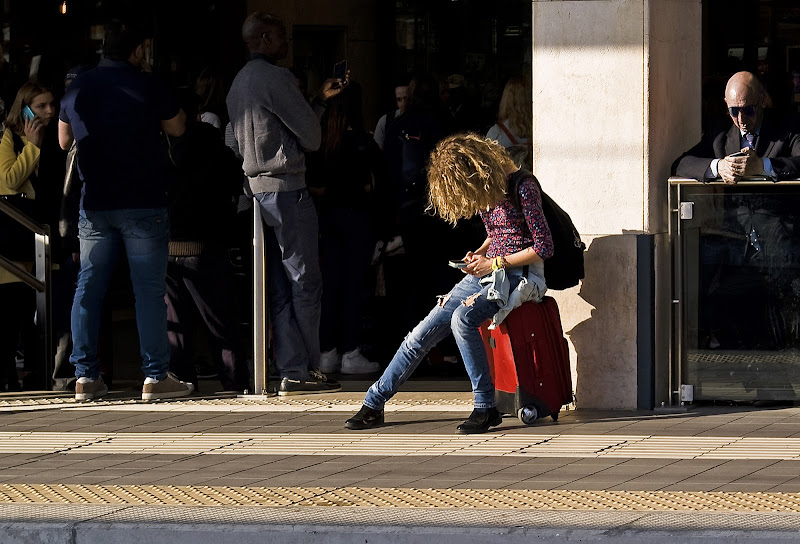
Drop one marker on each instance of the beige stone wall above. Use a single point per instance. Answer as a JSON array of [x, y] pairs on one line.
[[615, 99], [674, 44], [599, 317], [358, 16]]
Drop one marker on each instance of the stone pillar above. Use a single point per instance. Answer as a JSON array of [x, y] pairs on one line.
[[616, 97]]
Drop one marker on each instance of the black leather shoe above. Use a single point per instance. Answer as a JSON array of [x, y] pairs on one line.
[[317, 382], [366, 418], [480, 420]]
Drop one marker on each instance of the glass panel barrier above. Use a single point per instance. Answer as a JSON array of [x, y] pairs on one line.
[[737, 289]]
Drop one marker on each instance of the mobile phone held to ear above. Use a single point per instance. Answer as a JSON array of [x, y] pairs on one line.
[[340, 70], [457, 264], [27, 113]]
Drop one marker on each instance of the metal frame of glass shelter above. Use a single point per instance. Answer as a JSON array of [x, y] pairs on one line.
[[682, 211]]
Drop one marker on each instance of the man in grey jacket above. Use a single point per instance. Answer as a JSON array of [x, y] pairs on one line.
[[273, 125]]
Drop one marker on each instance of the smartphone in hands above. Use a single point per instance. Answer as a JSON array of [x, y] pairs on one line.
[[27, 113], [738, 154], [457, 264], [340, 70]]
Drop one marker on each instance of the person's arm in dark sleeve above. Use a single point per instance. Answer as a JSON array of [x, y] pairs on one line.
[[788, 166], [697, 163], [382, 199]]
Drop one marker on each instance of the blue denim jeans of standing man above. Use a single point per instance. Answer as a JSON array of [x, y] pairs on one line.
[[144, 233], [294, 281], [460, 312]]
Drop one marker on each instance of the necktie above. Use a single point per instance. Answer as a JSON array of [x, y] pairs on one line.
[[750, 140]]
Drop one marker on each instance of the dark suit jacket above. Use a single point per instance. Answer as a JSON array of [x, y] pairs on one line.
[[778, 140]]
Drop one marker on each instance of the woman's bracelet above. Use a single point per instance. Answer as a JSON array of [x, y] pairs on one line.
[[498, 263]]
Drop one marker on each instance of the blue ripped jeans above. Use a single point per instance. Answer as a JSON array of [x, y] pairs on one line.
[[458, 312]]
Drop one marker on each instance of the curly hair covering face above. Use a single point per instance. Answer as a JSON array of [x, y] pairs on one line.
[[466, 174]]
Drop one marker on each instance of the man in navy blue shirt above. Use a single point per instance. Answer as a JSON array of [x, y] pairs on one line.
[[116, 112]]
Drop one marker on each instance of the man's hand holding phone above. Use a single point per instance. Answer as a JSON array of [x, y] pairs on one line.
[[340, 71], [743, 163], [333, 86]]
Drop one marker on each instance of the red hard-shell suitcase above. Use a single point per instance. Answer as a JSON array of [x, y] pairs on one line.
[[529, 361]]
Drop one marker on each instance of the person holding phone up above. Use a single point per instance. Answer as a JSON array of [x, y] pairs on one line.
[[32, 110], [20, 151], [469, 175], [274, 126]]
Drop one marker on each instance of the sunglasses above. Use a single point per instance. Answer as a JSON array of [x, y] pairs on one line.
[[747, 111]]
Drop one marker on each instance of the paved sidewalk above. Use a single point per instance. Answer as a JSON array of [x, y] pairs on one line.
[[285, 470]]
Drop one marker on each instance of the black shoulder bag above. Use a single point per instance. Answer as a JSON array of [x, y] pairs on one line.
[[565, 268]]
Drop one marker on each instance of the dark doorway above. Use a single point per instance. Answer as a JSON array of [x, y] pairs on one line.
[[760, 36]]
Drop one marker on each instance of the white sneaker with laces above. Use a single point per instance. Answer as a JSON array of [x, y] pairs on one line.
[[355, 363], [169, 388], [330, 361]]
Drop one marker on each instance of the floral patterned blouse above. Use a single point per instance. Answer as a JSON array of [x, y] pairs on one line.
[[512, 231]]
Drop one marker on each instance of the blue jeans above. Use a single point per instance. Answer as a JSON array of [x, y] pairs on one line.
[[459, 312], [144, 233], [294, 282]]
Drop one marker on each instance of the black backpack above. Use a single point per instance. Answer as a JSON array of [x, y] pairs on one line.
[[565, 268]]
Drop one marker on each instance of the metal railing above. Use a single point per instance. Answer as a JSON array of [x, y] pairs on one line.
[[39, 281], [260, 315]]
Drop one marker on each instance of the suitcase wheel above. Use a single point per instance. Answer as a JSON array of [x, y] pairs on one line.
[[554, 416], [527, 414]]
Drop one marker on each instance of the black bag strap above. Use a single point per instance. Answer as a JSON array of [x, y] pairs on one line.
[[508, 133], [19, 145], [514, 182]]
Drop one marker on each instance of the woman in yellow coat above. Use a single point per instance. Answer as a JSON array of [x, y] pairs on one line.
[[20, 149]]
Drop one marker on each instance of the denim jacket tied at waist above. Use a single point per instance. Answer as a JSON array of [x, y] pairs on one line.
[[530, 287]]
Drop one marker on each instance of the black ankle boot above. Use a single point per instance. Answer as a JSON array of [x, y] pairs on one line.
[[480, 420], [366, 418]]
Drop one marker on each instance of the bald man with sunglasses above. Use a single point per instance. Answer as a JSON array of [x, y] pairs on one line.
[[760, 142]]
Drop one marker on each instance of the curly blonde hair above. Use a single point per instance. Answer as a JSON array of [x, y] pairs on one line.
[[466, 174]]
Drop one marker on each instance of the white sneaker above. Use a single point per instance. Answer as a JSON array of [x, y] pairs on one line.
[[330, 361], [168, 388], [355, 363]]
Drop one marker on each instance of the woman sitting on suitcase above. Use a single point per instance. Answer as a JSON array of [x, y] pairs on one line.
[[468, 174]]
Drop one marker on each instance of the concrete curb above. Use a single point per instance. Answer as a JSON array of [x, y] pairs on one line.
[[72, 524]]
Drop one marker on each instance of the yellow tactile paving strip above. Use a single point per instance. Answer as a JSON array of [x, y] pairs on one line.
[[172, 495], [391, 444], [253, 404]]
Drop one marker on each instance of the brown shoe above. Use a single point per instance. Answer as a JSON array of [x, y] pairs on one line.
[[90, 390], [168, 388]]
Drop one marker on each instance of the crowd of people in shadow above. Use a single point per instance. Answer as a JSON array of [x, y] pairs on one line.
[[359, 224], [344, 210]]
